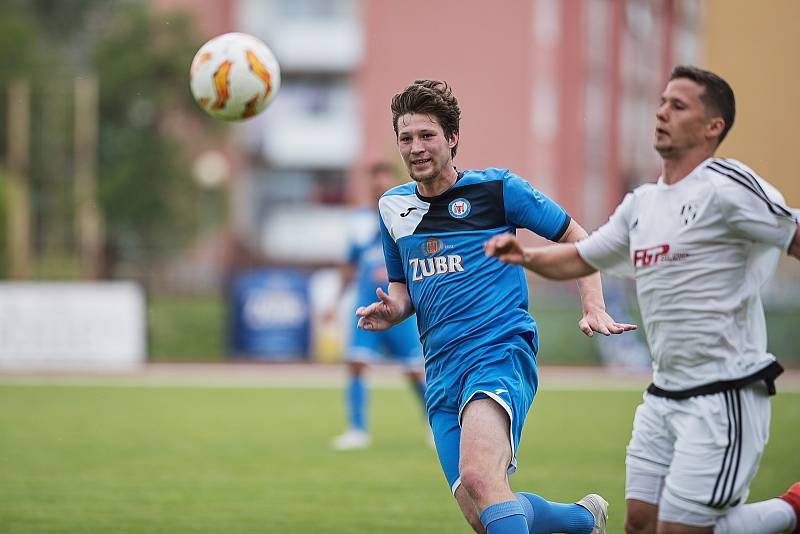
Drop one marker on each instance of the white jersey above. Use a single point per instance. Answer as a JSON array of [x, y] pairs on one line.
[[699, 250]]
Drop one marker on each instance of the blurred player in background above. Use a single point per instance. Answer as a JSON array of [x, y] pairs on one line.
[[480, 341], [401, 343], [700, 243]]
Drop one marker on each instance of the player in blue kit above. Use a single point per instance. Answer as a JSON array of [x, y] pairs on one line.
[[479, 340], [367, 269]]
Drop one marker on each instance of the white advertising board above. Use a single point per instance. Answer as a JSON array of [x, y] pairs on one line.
[[72, 326]]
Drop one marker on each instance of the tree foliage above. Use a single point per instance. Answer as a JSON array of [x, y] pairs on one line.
[[142, 64], [141, 61]]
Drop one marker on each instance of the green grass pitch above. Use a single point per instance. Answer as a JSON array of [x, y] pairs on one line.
[[238, 460]]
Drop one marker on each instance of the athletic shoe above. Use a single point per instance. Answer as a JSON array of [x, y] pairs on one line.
[[598, 507], [792, 496], [351, 440]]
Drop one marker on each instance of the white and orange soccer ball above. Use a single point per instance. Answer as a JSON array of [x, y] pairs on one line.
[[234, 76]]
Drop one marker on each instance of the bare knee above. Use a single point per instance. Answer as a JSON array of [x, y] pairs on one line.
[[641, 518], [474, 483]]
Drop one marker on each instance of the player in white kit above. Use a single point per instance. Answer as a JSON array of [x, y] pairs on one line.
[[699, 243]]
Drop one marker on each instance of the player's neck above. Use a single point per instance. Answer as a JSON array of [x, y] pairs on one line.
[[438, 184], [676, 168]]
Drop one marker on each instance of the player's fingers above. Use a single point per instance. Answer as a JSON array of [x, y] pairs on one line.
[[603, 329], [615, 328], [627, 327], [382, 295], [492, 247], [584, 327], [363, 311], [505, 243], [500, 242]]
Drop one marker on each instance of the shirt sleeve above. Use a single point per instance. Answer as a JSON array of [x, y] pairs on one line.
[[607, 249], [756, 210], [391, 253], [525, 207]]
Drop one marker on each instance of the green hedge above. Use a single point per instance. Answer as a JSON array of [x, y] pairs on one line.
[[194, 329], [186, 328]]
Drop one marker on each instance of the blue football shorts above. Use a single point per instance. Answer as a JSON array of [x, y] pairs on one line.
[[399, 343], [505, 372]]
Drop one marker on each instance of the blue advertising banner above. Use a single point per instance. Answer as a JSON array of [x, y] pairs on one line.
[[269, 314]]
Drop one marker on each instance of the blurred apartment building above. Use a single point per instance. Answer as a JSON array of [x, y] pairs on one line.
[[563, 92]]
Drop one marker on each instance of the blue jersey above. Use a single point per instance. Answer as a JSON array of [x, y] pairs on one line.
[[464, 301], [366, 254]]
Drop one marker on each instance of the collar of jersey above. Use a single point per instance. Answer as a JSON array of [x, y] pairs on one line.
[[695, 172], [423, 198]]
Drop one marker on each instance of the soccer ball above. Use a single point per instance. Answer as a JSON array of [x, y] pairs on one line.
[[234, 76]]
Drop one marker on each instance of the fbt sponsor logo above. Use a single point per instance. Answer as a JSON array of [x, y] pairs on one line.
[[426, 267], [645, 257]]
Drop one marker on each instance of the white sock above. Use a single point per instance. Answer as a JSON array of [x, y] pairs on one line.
[[765, 517]]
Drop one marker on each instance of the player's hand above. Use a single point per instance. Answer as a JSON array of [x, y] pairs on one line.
[[380, 315], [597, 320], [505, 248]]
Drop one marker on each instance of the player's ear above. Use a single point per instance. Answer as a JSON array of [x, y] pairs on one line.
[[714, 127], [453, 141]]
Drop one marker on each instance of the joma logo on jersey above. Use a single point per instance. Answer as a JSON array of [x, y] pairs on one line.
[[645, 257], [426, 267]]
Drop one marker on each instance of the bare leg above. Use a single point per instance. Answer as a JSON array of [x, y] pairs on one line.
[[484, 458], [472, 514]]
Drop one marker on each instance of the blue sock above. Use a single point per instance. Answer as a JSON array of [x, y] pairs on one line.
[[545, 516], [356, 403], [505, 518]]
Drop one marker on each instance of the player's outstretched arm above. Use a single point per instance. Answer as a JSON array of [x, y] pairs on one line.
[[392, 308], [595, 318], [556, 262], [562, 262]]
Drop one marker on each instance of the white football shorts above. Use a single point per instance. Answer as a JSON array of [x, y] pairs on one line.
[[695, 458]]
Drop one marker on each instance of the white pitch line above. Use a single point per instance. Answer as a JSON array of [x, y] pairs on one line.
[[324, 376]]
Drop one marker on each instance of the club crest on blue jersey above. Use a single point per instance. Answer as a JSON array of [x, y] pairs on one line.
[[431, 246], [459, 208]]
